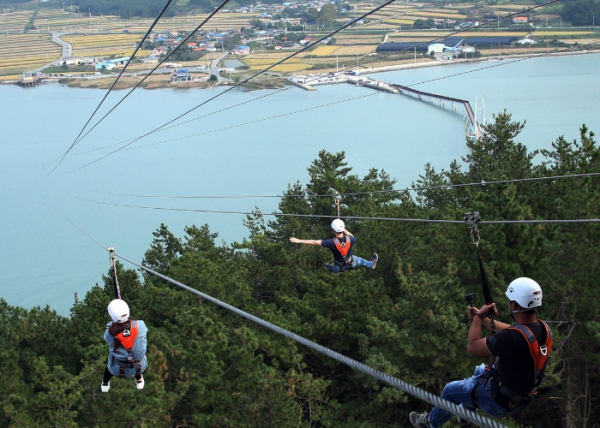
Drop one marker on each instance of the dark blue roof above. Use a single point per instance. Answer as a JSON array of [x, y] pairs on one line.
[[450, 41]]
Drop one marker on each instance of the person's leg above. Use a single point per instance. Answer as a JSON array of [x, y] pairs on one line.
[[360, 262], [457, 392], [107, 376]]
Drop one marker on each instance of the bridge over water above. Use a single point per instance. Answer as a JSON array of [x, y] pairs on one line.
[[473, 130]]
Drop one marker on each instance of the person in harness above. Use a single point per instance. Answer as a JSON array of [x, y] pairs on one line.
[[127, 346], [341, 247], [520, 352]]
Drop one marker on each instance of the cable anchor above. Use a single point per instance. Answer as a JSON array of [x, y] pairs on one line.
[[472, 219], [337, 202]]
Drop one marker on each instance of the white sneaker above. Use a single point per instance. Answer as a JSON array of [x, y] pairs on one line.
[[106, 387], [139, 384]]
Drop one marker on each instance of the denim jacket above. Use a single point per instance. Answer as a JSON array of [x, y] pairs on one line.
[[119, 355]]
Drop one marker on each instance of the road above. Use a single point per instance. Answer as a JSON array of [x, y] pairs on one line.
[[214, 70], [67, 51]]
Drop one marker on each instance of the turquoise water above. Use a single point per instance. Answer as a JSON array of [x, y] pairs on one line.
[[45, 260]]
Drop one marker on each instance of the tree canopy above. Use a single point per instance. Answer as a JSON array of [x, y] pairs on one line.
[[209, 367]]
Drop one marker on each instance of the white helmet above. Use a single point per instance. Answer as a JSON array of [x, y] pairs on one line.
[[338, 225], [526, 292], [118, 311]]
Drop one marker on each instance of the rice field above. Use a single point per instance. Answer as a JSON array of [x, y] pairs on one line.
[[9, 77], [20, 52], [285, 68], [324, 50], [355, 50], [269, 61]]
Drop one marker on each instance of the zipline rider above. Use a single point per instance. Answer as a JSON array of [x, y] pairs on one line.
[[511, 380], [341, 247], [127, 345]]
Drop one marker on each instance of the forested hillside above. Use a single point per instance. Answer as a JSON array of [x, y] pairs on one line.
[[211, 368]]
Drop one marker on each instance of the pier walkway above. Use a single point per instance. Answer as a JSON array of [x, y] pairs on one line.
[[474, 128], [307, 82]]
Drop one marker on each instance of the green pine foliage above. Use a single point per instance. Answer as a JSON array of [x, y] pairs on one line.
[[211, 368]]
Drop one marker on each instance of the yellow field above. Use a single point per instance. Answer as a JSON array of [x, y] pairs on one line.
[[512, 7], [562, 33], [426, 14], [355, 50], [428, 34], [289, 68], [271, 55], [267, 61], [324, 50], [118, 53], [10, 77], [400, 21]]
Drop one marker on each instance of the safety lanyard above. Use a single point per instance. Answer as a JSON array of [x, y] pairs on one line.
[[113, 265], [472, 219]]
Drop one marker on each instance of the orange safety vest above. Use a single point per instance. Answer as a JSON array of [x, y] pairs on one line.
[[343, 248], [540, 358], [127, 339]]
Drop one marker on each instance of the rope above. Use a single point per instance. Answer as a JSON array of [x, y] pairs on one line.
[[294, 54], [413, 189], [580, 220], [192, 33], [392, 381], [377, 58], [308, 46], [570, 49], [138, 47], [346, 217]]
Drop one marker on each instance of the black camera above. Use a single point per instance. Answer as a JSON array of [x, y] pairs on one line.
[[470, 299]]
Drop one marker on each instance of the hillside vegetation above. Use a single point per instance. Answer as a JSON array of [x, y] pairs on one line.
[[211, 368]]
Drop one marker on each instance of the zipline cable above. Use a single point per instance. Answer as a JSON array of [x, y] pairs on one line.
[[132, 140], [302, 50], [146, 76], [392, 381], [408, 189], [113, 265], [345, 217], [569, 49], [412, 390], [138, 47], [247, 79]]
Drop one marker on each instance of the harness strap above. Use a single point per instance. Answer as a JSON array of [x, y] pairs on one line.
[[343, 248]]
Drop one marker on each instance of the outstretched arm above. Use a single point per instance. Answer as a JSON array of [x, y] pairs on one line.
[[305, 241]]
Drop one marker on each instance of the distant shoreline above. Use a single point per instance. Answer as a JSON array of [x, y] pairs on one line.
[[273, 83], [465, 61]]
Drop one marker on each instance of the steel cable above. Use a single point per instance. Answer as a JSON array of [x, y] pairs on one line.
[[148, 74], [345, 217], [434, 400], [407, 189], [302, 50], [570, 49], [138, 47]]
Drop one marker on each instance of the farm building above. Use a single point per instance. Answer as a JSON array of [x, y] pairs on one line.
[[181, 75], [450, 41], [520, 20], [241, 50]]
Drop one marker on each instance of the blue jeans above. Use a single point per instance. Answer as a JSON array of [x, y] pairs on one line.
[[459, 392], [356, 262]]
